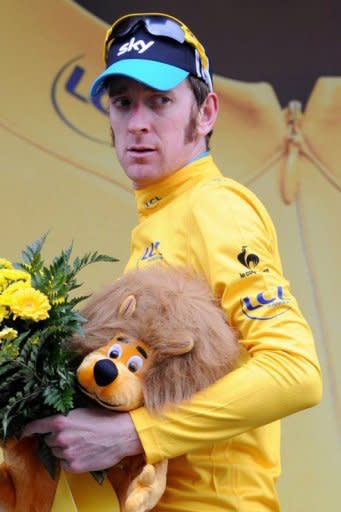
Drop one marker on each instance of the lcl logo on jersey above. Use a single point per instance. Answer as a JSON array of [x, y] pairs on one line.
[[152, 202], [265, 305], [151, 253]]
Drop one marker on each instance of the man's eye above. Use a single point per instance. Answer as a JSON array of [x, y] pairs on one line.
[[120, 102], [163, 100], [158, 101]]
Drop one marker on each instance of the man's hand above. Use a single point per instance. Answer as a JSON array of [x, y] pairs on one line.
[[88, 439]]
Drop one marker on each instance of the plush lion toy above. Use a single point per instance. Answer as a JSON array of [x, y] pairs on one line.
[[168, 339], [152, 337]]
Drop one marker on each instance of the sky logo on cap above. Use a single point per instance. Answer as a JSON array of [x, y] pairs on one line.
[[138, 46]]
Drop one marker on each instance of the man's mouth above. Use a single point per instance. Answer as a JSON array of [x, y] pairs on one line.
[[140, 150]]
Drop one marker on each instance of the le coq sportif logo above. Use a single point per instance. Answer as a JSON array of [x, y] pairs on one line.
[[249, 260]]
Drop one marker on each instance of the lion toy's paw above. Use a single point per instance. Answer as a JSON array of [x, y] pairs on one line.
[[147, 488]]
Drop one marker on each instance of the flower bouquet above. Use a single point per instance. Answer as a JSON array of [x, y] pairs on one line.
[[37, 318]]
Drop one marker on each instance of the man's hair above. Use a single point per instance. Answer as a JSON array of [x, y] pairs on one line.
[[200, 91]]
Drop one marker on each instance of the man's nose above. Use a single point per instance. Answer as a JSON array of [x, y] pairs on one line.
[[139, 118]]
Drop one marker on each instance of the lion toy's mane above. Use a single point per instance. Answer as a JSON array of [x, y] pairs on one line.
[[173, 309]]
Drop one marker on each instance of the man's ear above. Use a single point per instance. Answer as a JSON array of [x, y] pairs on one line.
[[208, 114], [127, 307]]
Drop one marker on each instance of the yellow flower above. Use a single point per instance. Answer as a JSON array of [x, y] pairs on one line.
[[3, 282], [58, 300], [5, 263], [3, 312], [10, 352], [10, 275], [7, 333], [13, 274], [30, 304], [6, 295]]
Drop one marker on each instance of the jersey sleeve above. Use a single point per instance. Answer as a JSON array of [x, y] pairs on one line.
[[233, 243]]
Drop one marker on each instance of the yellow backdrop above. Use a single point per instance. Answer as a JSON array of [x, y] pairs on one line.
[[59, 174]]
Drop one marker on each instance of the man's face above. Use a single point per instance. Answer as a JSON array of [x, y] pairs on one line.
[[154, 131]]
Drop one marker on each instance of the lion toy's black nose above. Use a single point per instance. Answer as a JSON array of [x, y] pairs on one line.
[[105, 372]]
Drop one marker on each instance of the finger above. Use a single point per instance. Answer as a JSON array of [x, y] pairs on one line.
[[59, 453], [50, 440], [71, 466], [43, 426]]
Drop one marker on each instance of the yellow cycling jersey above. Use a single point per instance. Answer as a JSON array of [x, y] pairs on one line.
[[224, 446]]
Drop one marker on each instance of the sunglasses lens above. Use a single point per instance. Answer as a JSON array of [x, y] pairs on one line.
[[156, 25], [160, 26], [124, 27]]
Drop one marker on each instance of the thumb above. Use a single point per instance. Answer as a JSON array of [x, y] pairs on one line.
[[43, 426]]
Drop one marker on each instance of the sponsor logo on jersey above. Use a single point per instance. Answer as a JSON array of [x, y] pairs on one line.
[[150, 254], [152, 202], [265, 305], [249, 260]]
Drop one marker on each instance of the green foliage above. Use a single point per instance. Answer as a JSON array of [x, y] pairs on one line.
[[37, 371], [47, 458]]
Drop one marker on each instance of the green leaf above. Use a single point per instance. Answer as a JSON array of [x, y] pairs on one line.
[[32, 254], [99, 476], [61, 400], [47, 458]]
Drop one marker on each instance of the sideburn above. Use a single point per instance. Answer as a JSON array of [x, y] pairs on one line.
[[191, 127]]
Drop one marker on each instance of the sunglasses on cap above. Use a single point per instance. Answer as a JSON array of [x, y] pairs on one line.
[[164, 25]]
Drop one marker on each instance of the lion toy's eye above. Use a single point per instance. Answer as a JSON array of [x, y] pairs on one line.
[[134, 364], [115, 351]]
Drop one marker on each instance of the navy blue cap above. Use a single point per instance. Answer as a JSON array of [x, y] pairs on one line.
[[158, 62]]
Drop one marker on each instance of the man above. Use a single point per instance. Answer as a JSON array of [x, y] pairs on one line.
[[223, 447]]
